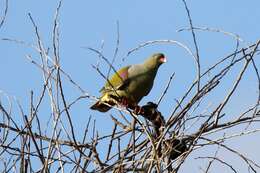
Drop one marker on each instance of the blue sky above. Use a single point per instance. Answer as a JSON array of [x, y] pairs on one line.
[[91, 23]]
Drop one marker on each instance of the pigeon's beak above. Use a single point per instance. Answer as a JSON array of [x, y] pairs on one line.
[[163, 59]]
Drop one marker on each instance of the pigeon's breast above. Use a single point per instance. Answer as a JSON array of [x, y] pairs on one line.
[[140, 86]]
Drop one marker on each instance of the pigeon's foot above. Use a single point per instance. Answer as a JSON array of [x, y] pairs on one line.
[[123, 101], [138, 110]]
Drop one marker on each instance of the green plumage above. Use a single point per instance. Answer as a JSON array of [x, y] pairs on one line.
[[130, 82]]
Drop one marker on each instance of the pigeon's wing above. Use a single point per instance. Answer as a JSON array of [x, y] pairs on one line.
[[118, 81]]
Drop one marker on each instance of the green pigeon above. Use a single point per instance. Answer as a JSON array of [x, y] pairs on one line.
[[130, 83]]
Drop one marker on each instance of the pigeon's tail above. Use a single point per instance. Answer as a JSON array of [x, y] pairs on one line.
[[100, 107]]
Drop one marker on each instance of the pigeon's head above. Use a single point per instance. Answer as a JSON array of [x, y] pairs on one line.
[[159, 58], [155, 60]]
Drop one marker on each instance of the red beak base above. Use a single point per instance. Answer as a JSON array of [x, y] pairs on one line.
[[163, 59]]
